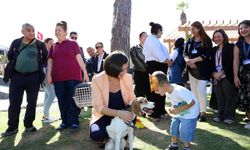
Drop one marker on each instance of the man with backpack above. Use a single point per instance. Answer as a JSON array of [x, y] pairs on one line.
[[28, 55]]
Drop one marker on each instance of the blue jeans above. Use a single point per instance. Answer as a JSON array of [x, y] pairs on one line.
[[183, 129], [49, 97], [69, 111]]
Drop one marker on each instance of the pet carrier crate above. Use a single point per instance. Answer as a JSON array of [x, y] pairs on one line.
[[82, 95]]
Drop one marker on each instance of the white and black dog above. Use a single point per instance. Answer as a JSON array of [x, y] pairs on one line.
[[118, 129]]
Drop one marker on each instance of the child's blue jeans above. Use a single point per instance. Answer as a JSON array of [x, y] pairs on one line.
[[184, 129]]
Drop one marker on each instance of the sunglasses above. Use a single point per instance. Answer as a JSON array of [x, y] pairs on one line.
[[98, 47], [74, 38]]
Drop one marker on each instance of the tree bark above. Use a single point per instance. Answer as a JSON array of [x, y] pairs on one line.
[[121, 26]]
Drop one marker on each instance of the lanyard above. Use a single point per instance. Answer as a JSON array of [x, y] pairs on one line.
[[246, 50], [218, 56], [196, 44]]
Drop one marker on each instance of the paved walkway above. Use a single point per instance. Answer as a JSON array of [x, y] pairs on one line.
[[4, 100]]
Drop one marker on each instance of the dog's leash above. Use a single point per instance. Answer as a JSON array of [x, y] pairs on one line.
[[130, 124]]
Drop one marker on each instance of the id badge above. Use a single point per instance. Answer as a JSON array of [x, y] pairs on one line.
[[218, 68], [194, 51], [246, 61]]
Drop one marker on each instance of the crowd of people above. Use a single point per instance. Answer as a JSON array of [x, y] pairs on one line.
[[157, 75]]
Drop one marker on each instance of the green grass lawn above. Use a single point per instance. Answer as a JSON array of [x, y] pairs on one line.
[[155, 136]]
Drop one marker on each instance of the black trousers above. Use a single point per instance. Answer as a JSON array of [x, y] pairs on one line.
[[18, 84], [213, 101], [142, 86], [225, 95], [159, 100]]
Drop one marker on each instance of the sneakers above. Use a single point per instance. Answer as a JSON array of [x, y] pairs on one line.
[[228, 121], [74, 128], [31, 129], [216, 111], [165, 116], [9, 133], [171, 147], [247, 126], [216, 119], [203, 118], [48, 119], [62, 127], [246, 119]]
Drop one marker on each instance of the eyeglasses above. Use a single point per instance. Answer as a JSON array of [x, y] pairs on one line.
[[74, 38], [98, 47]]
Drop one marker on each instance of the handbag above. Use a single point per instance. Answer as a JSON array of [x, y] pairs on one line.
[[10, 67], [8, 70]]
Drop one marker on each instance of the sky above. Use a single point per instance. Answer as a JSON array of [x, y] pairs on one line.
[[92, 19]]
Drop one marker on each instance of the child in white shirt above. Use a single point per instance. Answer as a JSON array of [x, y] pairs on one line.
[[184, 110]]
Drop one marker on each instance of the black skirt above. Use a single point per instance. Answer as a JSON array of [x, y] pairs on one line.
[[243, 96]]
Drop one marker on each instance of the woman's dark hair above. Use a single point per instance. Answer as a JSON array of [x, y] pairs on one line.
[[224, 35], [179, 43], [47, 40], [140, 35], [114, 62], [203, 35], [62, 24], [155, 27], [245, 22]]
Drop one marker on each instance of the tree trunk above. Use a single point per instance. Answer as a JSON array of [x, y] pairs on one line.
[[183, 18], [121, 26]]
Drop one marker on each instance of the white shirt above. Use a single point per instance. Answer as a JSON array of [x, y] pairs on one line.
[[174, 54], [154, 50], [100, 58], [181, 96], [218, 60]]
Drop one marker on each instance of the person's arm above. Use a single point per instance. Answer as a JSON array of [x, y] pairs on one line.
[[174, 54], [49, 69], [236, 66], [82, 66], [124, 115], [11, 52], [44, 53], [186, 51], [177, 110]]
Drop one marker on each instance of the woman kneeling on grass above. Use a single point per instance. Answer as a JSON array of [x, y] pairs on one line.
[[184, 110]]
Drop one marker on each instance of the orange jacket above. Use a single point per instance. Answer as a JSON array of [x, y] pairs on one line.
[[100, 93]]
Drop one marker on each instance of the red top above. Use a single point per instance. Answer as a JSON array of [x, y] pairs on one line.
[[65, 66]]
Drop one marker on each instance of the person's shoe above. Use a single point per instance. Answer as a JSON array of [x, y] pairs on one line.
[[101, 144], [247, 126], [62, 127], [30, 129], [9, 133], [216, 111], [246, 119], [203, 118], [228, 121], [165, 116], [74, 128], [170, 147], [216, 119], [48, 119]]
